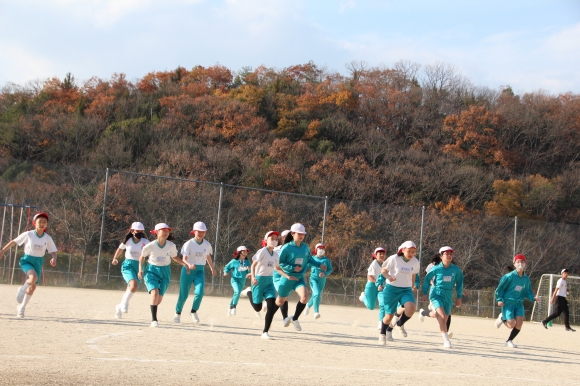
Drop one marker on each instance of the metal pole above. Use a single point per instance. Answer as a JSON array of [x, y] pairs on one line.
[[16, 249], [421, 245], [11, 238], [2, 234], [324, 218], [515, 234], [68, 273], [217, 233], [102, 224]]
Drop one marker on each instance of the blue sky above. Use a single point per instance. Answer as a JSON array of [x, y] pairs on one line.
[[530, 45]]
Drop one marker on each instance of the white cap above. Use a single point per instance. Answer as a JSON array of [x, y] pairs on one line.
[[160, 226], [445, 249], [379, 249], [298, 228], [320, 246], [564, 270], [137, 226], [199, 226], [242, 248], [275, 233], [406, 244], [284, 233]]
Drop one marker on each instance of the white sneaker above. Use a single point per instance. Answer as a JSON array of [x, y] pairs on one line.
[[265, 335], [118, 312], [20, 294], [382, 340], [447, 344], [316, 315], [230, 312], [177, 318], [390, 336], [20, 311], [257, 313], [286, 322], [245, 291], [124, 308], [421, 316], [362, 297], [510, 343], [194, 317], [380, 325], [430, 306], [233, 311], [402, 331], [297, 326], [307, 311], [498, 321], [394, 321], [154, 324], [450, 335]]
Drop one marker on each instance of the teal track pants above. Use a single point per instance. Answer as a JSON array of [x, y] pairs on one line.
[[237, 285], [317, 285], [195, 277]]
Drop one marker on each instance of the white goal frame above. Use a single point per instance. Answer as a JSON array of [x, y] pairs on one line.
[[552, 283]]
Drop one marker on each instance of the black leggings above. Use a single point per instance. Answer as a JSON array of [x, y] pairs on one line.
[[272, 308], [561, 308]]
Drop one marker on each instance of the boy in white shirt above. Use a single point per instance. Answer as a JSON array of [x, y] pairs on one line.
[[559, 297]]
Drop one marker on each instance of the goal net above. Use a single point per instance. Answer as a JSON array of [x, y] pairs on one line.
[[543, 308]]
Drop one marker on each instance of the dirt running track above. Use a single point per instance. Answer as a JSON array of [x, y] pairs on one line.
[[70, 336]]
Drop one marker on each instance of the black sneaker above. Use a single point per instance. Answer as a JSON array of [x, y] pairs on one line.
[[570, 329], [545, 324]]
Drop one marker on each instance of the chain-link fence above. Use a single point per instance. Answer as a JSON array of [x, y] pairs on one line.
[[91, 211]]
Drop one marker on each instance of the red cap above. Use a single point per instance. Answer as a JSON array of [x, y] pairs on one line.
[[41, 214], [519, 257]]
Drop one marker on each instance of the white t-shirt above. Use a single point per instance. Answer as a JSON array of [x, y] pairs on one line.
[[196, 253], [266, 262], [36, 246], [374, 269], [402, 270], [160, 256], [562, 287], [133, 249]]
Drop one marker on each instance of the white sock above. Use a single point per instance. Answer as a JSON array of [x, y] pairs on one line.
[[127, 296], [445, 336], [25, 286], [26, 300]]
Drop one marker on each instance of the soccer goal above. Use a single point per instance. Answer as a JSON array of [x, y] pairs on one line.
[[543, 308]]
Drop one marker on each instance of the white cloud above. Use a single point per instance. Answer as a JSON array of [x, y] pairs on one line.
[[24, 65], [344, 5]]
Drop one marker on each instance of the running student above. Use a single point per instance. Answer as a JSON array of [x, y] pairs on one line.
[[239, 267], [370, 295], [559, 297], [436, 260], [294, 260], [318, 279], [196, 252], [399, 271], [157, 273], [264, 262], [510, 293], [276, 276], [132, 244], [37, 242], [446, 276]]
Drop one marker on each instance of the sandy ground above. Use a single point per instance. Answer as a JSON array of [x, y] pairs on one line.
[[70, 336]]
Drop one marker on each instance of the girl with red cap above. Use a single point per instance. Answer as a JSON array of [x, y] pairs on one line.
[[370, 295], [132, 244], [37, 242], [264, 263], [239, 266], [318, 279], [510, 293]]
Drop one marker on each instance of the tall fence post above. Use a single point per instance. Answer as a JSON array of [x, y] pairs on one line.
[[421, 245], [515, 234], [68, 273], [16, 249], [11, 238], [217, 234], [102, 225], [324, 217], [2, 234]]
